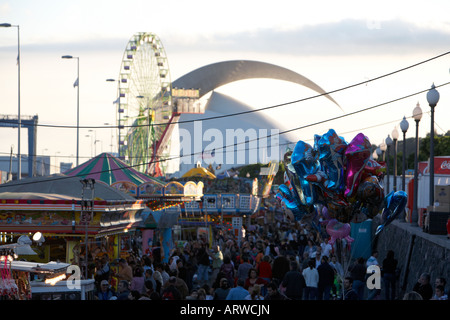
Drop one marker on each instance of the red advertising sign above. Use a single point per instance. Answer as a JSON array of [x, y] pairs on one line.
[[441, 166]]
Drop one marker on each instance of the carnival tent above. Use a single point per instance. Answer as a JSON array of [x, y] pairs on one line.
[[55, 186], [109, 169], [199, 172]]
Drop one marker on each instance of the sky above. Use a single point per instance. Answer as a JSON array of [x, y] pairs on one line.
[[336, 44]]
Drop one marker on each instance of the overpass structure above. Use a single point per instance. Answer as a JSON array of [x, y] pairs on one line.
[[29, 123]]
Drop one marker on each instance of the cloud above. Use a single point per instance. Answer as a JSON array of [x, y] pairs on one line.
[[338, 38], [345, 37]]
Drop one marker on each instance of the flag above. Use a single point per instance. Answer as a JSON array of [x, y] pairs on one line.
[[116, 101], [18, 59], [75, 84]]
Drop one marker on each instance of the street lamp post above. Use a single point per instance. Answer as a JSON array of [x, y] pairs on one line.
[[92, 141], [417, 115], [383, 148], [388, 144], [119, 123], [19, 124], [404, 125], [379, 153], [432, 98], [77, 84], [87, 214], [112, 136], [395, 139], [95, 142], [375, 155]]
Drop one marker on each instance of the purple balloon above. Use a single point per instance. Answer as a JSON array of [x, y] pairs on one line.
[[357, 154], [338, 230]]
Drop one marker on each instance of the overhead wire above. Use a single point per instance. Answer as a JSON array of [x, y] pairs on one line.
[[259, 109], [265, 137]]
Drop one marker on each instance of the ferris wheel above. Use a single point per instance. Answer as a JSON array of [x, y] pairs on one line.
[[145, 105]]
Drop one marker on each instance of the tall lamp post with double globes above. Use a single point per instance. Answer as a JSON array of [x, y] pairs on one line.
[[417, 115], [433, 99]]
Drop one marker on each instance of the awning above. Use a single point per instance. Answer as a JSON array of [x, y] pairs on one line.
[[35, 267]]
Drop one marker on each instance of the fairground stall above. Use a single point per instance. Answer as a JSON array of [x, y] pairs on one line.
[[17, 277], [69, 218]]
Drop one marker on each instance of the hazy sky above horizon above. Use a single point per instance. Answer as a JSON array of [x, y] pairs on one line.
[[335, 44]]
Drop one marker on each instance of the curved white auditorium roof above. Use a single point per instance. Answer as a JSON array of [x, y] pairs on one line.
[[219, 141], [203, 136]]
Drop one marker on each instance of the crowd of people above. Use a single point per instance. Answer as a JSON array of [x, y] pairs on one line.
[[270, 263]]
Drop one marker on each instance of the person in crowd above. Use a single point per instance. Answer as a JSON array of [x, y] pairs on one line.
[[326, 248], [217, 261], [254, 293], [440, 281], [134, 295], [105, 292], [138, 281], [389, 267], [222, 291], [349, 292], [148, 276], [104, 271], [439, 293], [201, 294], [326, 279], [423, 286], [373, 259], [294, 282], [227, 269], [311, 277], [203, 264], [253, 278], [160, 268], [125, 271], [158, 280], [273, 293], [179, 284], [238, 292], [310, 249], [358, 274], [280, 267], [244, 267], [265, 269], [123, 290], [170, 292]]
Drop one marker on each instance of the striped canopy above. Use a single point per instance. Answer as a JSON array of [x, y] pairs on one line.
[[109, 169]]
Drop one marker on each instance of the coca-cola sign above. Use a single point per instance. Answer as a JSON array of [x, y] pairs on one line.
[[445, 165], [441, 166]]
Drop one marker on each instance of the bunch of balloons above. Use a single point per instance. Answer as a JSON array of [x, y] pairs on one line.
[[341, 178]]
